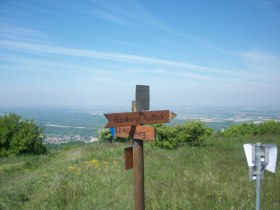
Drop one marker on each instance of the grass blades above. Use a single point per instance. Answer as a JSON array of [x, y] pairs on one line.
[[92, 176]]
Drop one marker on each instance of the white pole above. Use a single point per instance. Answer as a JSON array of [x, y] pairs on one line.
[[258, 175]]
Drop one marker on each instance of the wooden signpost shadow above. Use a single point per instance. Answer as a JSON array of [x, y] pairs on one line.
[[130, 125]]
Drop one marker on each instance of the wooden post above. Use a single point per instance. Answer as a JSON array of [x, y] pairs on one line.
[[138, 165], [142, 103]]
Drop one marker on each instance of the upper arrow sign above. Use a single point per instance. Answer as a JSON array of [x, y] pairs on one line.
[[138, 118], [172, 115], [123, 119], [154, 117]]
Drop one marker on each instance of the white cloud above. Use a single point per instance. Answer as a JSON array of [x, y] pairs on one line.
[[261, 60], [21, 33], [111, 17], [168, 67], [125, 11], [169, 73], [101, 55]]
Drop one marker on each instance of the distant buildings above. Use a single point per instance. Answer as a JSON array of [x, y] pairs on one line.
[[66, 139]]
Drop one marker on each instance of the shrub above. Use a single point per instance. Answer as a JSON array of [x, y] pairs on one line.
[[191, 133], [19, 136], [166, 137], [267, 127], [106, 136], [239, 130]]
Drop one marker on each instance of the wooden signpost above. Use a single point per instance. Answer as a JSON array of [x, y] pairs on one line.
[[132, 125]]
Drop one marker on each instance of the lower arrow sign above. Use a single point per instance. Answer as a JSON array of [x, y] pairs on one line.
[[147, 133]]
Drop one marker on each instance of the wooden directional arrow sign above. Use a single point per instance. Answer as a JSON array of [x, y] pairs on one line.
[[139, 132], [154, 117], [138, 118], [172, 115], [123, 119]]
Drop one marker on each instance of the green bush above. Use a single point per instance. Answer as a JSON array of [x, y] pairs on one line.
[[191, 133], [267, 127], [104, 135], [165, 137], [18, 136]]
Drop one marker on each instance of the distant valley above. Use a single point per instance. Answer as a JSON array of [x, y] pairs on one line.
[[64, 124]]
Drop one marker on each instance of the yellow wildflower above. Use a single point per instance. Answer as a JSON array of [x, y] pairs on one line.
[[94, 162], [73, 169]]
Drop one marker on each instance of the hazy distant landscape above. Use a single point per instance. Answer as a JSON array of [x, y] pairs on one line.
[[65, 124]]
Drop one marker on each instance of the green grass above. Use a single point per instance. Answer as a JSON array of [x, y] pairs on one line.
[[213, 176]]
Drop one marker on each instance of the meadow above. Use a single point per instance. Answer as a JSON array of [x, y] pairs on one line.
[[92, 176]]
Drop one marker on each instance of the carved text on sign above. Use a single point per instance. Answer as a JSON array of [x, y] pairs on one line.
[[154, 117], [136, 132]]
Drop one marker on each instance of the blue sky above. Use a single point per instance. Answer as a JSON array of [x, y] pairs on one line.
[[94, 52]]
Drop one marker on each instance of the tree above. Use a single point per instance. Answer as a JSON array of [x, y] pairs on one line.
[[18, 136]]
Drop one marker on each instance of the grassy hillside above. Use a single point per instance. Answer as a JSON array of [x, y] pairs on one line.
[[213, 176]]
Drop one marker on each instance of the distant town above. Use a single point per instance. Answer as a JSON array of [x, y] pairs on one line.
[[66, 139]]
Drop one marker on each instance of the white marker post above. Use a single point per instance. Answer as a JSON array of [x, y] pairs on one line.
[[260, 157], [259, 170]]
